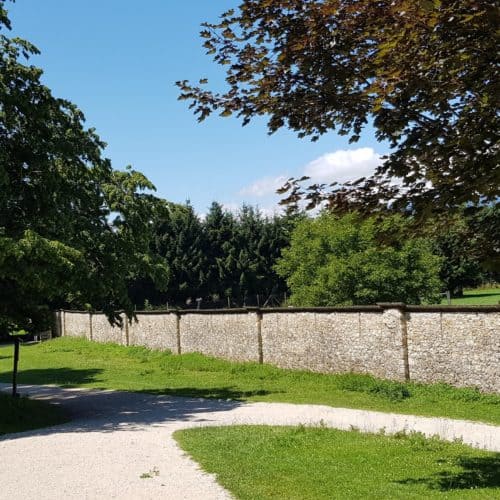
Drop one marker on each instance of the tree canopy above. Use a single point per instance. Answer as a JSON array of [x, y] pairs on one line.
[[223, 258], [469, 246], [425, 73], [339, 261], [72, 229]]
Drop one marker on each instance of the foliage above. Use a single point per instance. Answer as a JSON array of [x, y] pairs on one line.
[[339, 261], [72, 229], [467, 241], [268, 462], [220, 227], [460, 265], [257, 243], [222, 258], [180, 241], [485, 225], [18, 333], [425, 73], [71, 362]]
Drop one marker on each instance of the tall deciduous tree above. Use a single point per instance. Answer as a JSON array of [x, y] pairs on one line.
[[340, 261], [469, 245], [72, 229], [425, 72]]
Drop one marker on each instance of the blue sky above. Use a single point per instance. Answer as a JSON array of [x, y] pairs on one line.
[[118, 61]]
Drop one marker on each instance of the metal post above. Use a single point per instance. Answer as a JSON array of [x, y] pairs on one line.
[[14, 373]]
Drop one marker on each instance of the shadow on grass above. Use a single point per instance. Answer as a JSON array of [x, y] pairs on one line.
[[477, 472], [70, 378], [64, 377]]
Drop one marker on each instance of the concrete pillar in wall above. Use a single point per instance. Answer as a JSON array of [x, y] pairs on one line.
[[259, 318], [395, 319], [63, 323], [178, 332], [90, 337], [256, 312], [56, 324], [125, 330]]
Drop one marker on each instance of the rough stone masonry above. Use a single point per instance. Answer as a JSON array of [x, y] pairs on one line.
[[459, 345]]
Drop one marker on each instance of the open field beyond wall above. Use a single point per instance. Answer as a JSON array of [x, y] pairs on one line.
[[478, 296], [72, 362]]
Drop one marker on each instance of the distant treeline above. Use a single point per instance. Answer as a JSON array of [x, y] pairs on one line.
[[229, 260], [224, 259]]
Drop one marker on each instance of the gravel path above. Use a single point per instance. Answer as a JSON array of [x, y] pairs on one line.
[[115, 437]]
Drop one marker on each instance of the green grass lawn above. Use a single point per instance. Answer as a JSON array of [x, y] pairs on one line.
[[79, 363], [22, 414], [315, 463], [479, 296]]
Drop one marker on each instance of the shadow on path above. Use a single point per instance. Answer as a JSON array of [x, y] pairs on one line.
[[94, 410]]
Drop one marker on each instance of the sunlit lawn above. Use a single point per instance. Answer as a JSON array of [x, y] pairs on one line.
[[316, 463], [479, 296]]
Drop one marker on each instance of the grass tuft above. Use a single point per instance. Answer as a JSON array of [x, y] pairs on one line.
[[385, 389]]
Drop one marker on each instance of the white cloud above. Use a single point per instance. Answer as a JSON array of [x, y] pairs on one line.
[[264, 187], [338, 166], [232, 207], [268, 210], [343, 165]]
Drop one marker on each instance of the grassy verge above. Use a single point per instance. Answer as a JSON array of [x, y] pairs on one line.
[[21, 414], [479, 296], [79, 363], [316, 463]]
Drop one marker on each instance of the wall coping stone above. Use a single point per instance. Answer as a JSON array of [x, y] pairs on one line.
[[369, 308]]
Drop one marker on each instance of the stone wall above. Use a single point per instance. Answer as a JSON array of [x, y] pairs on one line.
[[156, 331], [461, 348], [75, 324], [231, 335], [102, 331], [457, 345], [362, 341]]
